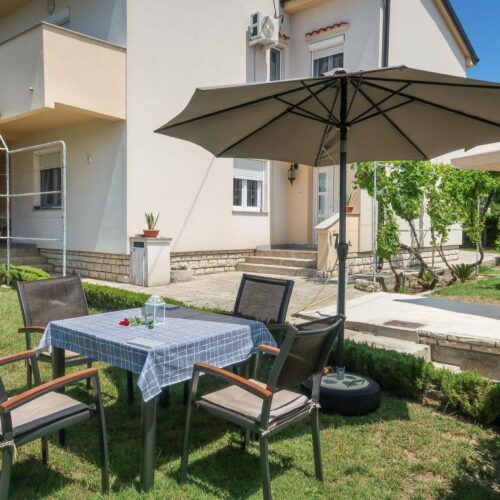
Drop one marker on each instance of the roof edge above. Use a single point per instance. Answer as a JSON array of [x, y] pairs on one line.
[[450, 11]]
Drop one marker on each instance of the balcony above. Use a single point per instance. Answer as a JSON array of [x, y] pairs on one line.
[[53, 77]]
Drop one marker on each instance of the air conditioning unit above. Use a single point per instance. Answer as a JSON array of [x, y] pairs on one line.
[[264, 30]]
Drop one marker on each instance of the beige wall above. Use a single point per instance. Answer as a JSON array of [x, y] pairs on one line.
[[186, 45], [96, 189]]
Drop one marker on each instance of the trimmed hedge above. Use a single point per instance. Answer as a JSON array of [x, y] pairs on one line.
[[21, 273], [405, 376], [399, 374]]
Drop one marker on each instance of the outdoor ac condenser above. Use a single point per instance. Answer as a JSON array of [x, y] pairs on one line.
[[264, 30]]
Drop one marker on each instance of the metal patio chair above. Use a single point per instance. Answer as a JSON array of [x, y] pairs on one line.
[[266, 409], [54, 299], [41, 411]]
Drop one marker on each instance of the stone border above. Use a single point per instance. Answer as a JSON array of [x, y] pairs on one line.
[[209, 262]]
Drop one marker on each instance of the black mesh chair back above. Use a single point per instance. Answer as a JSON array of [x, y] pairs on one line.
[[304, 352], [263, 299], [50, 300]]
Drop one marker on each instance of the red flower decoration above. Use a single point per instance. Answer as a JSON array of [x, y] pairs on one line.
[[124, 322]]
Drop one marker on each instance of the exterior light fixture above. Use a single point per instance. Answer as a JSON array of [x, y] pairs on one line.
[[291, 172]]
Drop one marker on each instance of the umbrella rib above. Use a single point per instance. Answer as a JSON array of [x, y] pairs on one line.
[[440, 106], [391, 108], [310, 113], [325, 132], [272, 120], [314, 118], [371, 108], [394, 125], [360, 81], [322, 104], [237, 106], [428, 82]]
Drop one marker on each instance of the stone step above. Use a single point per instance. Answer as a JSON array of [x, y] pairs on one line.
[[391, 344], [25, 260], [288, 254], [281, 261], [444, 366], [279, 270]]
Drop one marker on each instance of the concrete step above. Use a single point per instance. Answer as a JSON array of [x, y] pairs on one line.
[[282, 261], [287, 254], [401, 333], [391, 344], [279, 270], [25, 260], [444, 366]]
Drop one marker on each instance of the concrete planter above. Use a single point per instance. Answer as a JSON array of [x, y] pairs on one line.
[[181, 275]]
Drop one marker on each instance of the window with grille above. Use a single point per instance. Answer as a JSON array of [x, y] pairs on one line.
[[49, 165]]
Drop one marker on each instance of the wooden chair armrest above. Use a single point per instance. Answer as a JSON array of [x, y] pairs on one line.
[[232, 378], [11, 358], [269, 349], [50, 386], [30, 329]]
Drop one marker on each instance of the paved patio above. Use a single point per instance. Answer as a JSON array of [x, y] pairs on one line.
[[219, 291]]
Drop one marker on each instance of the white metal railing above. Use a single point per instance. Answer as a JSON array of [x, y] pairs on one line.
[[8, 196]]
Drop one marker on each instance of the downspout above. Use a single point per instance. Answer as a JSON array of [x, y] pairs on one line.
[[385, 35]]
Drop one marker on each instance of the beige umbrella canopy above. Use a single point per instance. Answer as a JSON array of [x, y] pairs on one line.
[[395, 113], [486, 157]]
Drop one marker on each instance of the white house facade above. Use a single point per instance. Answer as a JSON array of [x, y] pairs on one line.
[[102, 75]]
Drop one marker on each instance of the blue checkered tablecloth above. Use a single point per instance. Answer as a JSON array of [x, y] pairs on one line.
[[164, 355]]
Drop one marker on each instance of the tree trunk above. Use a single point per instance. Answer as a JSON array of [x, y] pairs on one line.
[[397, 276], [424, 267], [447, 264]]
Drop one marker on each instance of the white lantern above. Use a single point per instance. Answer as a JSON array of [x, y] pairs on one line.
[[155, 309]]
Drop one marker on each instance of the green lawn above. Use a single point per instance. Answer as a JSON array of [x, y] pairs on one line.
[[484, 289], [404, 450]]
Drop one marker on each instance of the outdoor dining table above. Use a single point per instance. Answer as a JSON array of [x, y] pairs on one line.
[[162, 356]]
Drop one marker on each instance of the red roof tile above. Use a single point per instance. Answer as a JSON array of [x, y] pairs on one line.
[[284, 36], [327, 28]]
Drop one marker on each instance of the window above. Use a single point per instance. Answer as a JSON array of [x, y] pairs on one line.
[[274, 64], [248, 185], [327, 55], [49, 167]]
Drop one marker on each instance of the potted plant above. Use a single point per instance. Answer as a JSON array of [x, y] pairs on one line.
[[151, 231], [349, 208]]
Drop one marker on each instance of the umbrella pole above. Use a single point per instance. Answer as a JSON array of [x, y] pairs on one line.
[[342, 247]]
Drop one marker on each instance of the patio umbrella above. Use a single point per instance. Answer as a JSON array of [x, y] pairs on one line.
[[395, 113]]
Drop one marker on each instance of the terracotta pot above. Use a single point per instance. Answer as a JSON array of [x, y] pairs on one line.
[[349, 209], [150, 233]]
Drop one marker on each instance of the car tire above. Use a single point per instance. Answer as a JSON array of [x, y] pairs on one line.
[[356, 395]]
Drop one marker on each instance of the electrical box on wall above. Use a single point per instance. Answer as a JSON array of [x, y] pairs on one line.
[[264, 30]]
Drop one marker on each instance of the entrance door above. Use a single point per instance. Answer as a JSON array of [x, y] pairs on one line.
[[323, 196]]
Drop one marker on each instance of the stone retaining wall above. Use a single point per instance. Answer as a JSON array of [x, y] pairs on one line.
[[102, 266], [362, 262], [208, 262]]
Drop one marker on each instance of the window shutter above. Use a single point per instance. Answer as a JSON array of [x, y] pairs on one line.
[[50, 160], [249, 169]]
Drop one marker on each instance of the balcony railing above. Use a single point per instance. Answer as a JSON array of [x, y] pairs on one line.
[[52, 76]]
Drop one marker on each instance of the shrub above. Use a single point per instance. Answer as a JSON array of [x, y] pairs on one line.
[[402, 375], [21, 273], [463, 271]]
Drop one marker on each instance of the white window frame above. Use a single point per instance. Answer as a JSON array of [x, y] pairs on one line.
[[37, 174], [325, 48], [282, 52], [261, 189]]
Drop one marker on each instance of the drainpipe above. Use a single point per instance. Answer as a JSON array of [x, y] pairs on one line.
[[386, 29]]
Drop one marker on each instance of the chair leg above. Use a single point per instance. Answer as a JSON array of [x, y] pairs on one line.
[[89, 383], [103, 445], [7, 458], [130, 388], [45, 450], [318, 467], [264, 465], [185, 449], [185, 394], [29, 375], [246, 439]]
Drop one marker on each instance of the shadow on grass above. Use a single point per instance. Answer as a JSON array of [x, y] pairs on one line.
[[481, 478]]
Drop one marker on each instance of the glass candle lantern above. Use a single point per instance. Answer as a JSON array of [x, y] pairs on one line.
[[155, 309]]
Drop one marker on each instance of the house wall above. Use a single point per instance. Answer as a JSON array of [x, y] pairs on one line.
[[96, 178], [104, 19], [187, 45]]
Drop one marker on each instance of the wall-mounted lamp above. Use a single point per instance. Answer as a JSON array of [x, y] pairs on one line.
[[291, 172]]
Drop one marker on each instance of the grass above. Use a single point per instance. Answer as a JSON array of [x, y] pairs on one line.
[[485, 289], [404, 450]]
